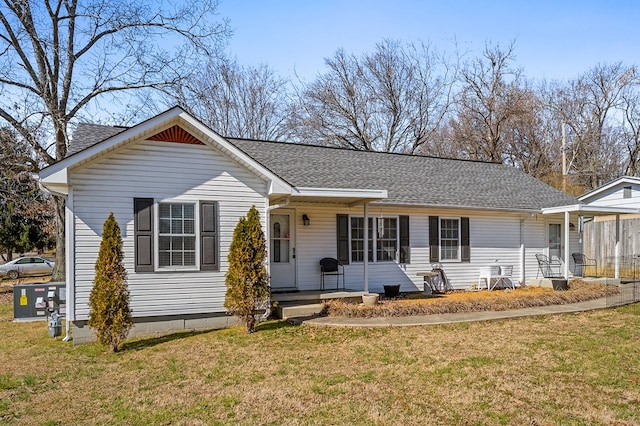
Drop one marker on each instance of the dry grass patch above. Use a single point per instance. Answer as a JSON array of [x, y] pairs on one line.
[[574, 369], [461, 301]]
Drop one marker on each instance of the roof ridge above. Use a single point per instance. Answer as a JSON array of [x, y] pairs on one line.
[[325, 147], [405, 154], [115, 126]]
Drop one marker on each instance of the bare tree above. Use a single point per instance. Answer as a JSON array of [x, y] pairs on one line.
[[58, 57], [334, 109], [238, 101], [529, 137], [489, 98], [630, 129], [393, 99], [588, 105]]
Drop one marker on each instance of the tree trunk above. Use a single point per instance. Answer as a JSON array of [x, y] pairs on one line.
[[58, 270], [251, 323]]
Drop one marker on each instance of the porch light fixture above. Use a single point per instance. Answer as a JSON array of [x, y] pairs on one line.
[[305, 220], [572, 227]]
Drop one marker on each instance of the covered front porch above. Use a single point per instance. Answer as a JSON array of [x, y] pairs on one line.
[[301, 231]]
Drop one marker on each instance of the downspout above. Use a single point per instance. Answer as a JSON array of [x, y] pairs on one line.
[[70, 251], [68, 255], [279, 206], [523, 249]]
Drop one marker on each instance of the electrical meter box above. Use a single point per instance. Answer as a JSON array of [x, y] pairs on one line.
[[37, 301]]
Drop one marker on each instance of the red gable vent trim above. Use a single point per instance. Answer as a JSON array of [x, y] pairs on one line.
[[176, 134]]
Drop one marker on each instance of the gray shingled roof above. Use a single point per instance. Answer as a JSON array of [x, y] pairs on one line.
[[409, 179], [88, 134]]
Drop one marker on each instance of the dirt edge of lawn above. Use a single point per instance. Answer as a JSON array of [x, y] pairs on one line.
[[525, 297]]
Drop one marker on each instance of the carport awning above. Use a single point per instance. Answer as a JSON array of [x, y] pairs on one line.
[[589, 210]]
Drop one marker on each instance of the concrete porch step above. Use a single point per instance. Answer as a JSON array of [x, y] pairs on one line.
[[288, 310], [314, 296]]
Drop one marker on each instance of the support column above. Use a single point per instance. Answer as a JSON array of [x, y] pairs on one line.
[[617, 249], [566, 245], [522, 253], [365, 277]]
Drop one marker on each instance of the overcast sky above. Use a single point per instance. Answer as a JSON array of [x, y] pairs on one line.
[[553, 39]]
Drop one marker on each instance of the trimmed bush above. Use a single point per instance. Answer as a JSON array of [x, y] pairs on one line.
[[110, 315], [247, 280]]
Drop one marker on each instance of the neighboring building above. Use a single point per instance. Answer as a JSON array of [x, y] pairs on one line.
[[612, 240], [621, 192], [178, 190]]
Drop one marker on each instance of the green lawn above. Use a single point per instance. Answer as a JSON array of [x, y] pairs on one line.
[[575, 369]]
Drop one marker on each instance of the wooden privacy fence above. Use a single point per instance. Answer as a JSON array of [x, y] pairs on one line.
[[599, 242]]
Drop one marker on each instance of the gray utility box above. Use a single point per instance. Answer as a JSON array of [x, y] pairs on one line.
[[37, 301]]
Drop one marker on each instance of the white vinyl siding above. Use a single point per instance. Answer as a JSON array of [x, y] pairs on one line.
[[621, 195], [148, 169], [494, 240]]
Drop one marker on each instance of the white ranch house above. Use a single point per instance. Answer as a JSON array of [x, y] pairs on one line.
[[178, 189]]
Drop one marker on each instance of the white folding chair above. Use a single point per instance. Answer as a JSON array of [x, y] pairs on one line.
[[504, 277], [487, 273]]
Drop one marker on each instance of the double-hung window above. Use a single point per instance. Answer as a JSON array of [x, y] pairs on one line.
[[449, 239], [176, 235], [383, 239], [387, 239], [357, 239]]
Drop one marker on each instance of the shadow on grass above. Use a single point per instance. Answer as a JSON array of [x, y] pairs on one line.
[[273, 325], [149, 342]]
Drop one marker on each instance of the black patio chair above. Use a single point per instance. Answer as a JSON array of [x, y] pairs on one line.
[[331, 266], [547, 266], [580, 261]]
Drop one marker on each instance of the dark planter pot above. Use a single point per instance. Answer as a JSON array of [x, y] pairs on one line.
[[560, 285], [391, 291]]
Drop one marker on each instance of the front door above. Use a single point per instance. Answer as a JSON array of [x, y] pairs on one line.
[[555, 242], [283, 251]]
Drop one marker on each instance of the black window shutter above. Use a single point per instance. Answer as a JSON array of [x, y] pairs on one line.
[[208, 236], [464, 240], [434, 239], [143, 234], [343, 238], [404, 240]]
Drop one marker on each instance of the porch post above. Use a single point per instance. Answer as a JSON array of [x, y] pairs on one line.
[[566, 245], [365, 276], [522, 253], [617, 249]]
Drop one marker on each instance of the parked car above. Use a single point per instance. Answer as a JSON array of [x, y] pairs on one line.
[[27, 266]]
